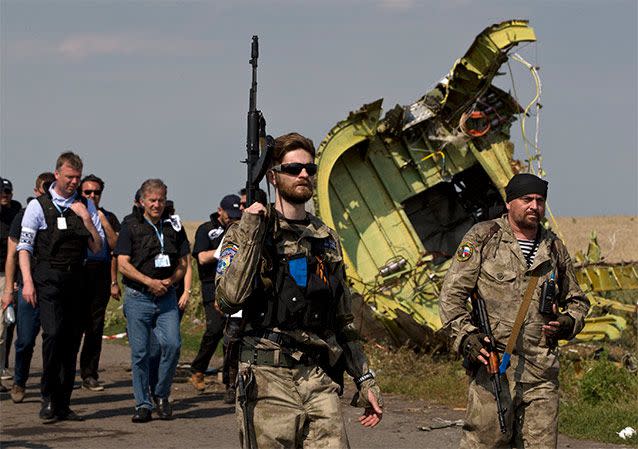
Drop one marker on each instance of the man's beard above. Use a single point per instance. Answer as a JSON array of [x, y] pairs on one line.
[[526, 222], [293, 196]]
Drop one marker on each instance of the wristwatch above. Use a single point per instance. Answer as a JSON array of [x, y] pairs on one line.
[[359, 380]]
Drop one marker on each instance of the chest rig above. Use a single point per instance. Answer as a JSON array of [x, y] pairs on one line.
[[297, 291], [60, 246]]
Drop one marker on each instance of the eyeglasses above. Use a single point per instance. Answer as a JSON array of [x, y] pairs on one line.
[[294, 168], [89, 192], [7, 191]]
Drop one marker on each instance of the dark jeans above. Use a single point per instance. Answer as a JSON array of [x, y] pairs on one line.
[[98, 291], [28, 328], [232, 342], [214, 330], [60, 294]]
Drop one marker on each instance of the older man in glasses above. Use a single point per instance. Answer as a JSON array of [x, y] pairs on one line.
[[101, 284], [284, 268]]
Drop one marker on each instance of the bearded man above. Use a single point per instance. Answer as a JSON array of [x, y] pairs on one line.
[[284, 268]]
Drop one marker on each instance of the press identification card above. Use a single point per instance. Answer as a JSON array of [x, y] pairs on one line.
[[162, 261], [61, 223]]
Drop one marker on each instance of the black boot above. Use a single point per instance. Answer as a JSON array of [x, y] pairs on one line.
[[47, 412], [164, 409], [141, 415]]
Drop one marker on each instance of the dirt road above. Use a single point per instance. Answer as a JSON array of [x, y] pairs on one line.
[[201, 420]]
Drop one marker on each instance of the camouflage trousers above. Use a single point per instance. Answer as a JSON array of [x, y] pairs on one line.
[[531, 417], [293, 408]]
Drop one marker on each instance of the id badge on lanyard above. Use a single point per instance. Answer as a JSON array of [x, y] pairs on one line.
[[162, 261], [61, 223], [61, 219]]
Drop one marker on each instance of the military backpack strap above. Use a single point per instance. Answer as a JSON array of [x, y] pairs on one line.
[[493, 230]]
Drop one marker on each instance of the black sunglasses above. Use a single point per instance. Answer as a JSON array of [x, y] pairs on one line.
[[7, 191], [295, 168], [89, 192]]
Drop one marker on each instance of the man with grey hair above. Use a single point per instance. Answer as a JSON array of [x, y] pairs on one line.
[[152, 257]]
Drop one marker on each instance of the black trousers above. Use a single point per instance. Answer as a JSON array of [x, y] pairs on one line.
[[97, 278], [59, 293], [232, 343], [214, 332]]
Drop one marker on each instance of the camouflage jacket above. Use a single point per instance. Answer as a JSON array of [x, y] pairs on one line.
[[496, 267], [241, 260]]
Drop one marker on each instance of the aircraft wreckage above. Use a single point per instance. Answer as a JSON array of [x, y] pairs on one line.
[[401, 190]]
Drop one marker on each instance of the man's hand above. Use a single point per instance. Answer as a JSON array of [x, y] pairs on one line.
[[474, 348], [256, 209], [28, 293], [369, 397], [116, 293], [561, 328], [372, 415], [157, 287], [80, 210], [7, 298]]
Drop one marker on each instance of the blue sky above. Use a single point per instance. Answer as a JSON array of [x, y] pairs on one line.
[[160, 89]]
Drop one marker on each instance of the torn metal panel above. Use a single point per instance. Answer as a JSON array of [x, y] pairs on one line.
[[401, 189]]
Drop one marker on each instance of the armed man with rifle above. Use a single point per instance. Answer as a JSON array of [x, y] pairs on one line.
[[525, 298], [284, 268]]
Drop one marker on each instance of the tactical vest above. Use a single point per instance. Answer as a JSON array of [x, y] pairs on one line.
[[283, 303], [145, 246], [60, 246]]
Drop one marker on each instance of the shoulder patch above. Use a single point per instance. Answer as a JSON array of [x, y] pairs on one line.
[[226, 256], [465, 251], [329, 244], [175, 222], [214, 233]]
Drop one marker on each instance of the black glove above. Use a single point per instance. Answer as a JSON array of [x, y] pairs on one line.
[[472, 345], [566, 327]]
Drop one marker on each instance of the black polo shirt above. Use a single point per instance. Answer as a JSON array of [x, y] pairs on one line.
[[209, 236]]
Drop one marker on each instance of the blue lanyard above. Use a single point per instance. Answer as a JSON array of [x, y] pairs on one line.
[[60, 210], [159, 233]]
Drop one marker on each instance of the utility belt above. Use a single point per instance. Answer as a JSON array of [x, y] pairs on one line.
[[273, 357], [276, 337], [276, 358]]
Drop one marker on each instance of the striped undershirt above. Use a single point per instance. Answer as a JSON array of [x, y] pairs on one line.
[[529, 249]]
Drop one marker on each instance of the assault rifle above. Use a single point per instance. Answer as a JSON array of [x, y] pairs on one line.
[[482, 320], [259, 146]]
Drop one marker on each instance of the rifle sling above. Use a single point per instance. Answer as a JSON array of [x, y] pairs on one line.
[[522, 312]]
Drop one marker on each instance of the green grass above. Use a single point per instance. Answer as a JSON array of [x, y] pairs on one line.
[[402, 371], [598, 399]]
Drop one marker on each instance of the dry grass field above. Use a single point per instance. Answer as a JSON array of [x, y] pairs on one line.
[[617, 235]]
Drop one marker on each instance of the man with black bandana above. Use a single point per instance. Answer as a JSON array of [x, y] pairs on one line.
[[510, 262], [284, 268]]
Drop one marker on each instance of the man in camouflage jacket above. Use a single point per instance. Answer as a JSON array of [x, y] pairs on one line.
[[284, 268], [497, 259]]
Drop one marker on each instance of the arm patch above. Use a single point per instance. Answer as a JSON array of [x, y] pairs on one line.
[[27, 236], [226, 256]]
